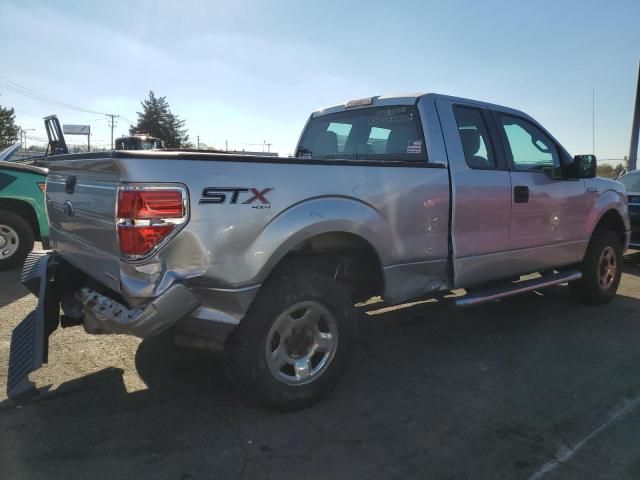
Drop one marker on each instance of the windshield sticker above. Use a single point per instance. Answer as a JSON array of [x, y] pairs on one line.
[[414, 146]]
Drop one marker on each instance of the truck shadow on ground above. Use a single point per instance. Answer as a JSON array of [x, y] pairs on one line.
[[433, 391], [632, 263], [10, 287]]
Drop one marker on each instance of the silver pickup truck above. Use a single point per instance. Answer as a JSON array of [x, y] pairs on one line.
[[398, 197]]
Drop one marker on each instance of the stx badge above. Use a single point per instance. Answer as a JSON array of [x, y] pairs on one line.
[[231, 195]]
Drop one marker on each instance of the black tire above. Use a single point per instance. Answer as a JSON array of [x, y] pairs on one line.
[[246, 347], [10, 221], [589, 288]]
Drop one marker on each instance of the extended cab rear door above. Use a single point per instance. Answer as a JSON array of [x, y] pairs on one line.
[[481, 192]]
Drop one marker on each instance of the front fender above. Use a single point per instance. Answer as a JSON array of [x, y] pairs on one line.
[[604, 202], [313, 217]]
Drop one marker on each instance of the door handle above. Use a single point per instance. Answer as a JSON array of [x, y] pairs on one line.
[[520, 194]]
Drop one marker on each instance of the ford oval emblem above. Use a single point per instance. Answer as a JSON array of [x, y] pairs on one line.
[[68, 208]]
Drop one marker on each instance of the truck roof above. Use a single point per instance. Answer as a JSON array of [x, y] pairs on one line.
[[404, 99]]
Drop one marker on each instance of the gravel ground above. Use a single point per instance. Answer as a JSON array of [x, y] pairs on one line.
[[535, 386]]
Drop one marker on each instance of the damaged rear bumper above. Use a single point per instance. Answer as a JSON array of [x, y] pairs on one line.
[[46, 275], [105, 315]]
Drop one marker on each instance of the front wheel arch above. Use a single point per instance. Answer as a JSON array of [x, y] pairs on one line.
[[611, 220]]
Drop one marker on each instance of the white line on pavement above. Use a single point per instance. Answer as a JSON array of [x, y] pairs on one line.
[[564, 454]]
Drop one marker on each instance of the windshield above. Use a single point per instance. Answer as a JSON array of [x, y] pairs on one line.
[[381, 133]]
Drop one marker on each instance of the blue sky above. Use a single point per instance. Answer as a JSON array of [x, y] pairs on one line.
[[249, 71]]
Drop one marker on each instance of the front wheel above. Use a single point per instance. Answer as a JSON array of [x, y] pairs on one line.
[[601, 269], [295, 342]]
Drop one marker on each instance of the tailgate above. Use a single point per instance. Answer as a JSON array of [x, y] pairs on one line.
[[81, 203]]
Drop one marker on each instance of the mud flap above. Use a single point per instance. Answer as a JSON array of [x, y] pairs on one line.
[[30, 339]]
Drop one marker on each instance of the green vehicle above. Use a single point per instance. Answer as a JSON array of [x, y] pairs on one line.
[[23, 218]]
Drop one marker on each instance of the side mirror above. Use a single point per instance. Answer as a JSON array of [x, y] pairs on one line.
[[584, 166]]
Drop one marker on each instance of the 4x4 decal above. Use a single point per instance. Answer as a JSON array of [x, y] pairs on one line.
[[231, 195]]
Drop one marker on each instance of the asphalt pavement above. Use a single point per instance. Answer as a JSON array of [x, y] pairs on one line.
[[536, 386]]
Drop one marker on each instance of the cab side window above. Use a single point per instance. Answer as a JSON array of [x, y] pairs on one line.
[[531, 149], [478, 151]]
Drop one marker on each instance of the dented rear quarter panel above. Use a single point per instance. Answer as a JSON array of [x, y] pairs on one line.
[[401, 211], [236, 245]]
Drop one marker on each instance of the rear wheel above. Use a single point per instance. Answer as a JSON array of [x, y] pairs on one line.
[[295, 342], [601, 269], [16, 239]]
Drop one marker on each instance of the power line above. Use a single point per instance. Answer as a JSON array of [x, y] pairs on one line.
[[27, 113], [27, 92], [36, 138], [31, 125]]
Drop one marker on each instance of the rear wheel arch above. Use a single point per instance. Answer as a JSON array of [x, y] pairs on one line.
[[349, 258]]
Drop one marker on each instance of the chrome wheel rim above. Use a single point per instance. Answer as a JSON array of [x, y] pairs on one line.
[[301, 343], [9, 241], [607, 268]]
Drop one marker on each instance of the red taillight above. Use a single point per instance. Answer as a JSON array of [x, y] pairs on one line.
[[146, 216], [140, 204], [140, 240]]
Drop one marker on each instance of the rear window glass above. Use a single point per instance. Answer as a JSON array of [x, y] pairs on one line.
[[380, 133]]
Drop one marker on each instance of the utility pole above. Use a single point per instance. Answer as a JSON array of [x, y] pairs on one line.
[[198, 137], [635, 129], [226, 145], [23, 132], [593, 121], [112, 124]]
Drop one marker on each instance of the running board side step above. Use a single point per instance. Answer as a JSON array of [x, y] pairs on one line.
[[496, 293]]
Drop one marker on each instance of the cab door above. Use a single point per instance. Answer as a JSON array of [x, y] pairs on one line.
[[548, 212], [481, 193]]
